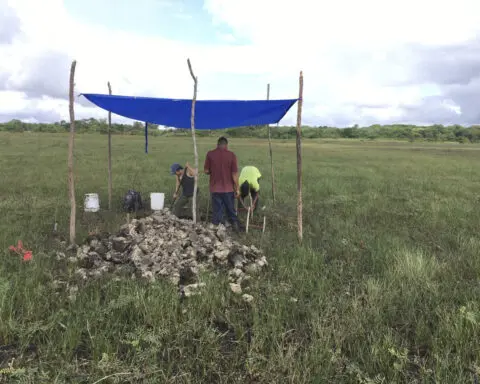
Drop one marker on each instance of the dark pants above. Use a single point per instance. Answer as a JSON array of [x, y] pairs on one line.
[[221, 202], [245, 190], [183, 207]]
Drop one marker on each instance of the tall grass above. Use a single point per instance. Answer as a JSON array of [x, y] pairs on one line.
[[384, 290]]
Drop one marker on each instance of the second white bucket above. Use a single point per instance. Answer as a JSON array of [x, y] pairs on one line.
[[92, 202], [157, 200]]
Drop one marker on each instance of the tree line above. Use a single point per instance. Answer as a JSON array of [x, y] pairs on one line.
[[437, 132]]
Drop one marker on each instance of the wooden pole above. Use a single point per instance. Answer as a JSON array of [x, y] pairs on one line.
[[195, 152], [270, 147], [299, 159], [71, 178], [109, 153]]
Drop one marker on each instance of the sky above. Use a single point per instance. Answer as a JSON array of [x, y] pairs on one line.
[[364, 62]]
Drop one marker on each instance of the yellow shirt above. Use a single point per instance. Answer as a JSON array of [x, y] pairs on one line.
[[250, 174]]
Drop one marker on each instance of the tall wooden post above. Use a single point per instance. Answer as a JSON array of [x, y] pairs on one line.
[[299, 159], [109, 153], [270, 148], [195, 152], [71, 141]]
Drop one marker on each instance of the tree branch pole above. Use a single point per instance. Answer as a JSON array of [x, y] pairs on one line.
[[299, 159], [195, 152], [109, 153], [71, 176], [270, 148]]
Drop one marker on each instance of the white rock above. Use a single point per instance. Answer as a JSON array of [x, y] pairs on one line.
[[247, 298], [236, 272], [148, 275], [237, 260], [222, 255], [82, 273], [137, 254], [193, 289], [252, 269], [175, 279], [262, 261], [236, 288]]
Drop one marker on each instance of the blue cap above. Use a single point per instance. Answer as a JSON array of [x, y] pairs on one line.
[[174, 168]]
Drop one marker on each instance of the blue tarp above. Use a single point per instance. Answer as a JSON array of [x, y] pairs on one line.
[[209, 114]]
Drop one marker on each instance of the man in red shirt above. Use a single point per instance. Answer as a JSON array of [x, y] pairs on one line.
[[221, 165]]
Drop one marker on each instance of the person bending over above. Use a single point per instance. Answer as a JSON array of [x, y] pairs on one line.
[[185, 179], [250, 184]]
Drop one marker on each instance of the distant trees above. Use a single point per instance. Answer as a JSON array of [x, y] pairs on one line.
[[412, 133]]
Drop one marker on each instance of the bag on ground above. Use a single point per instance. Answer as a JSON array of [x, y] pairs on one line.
[[132, 201]]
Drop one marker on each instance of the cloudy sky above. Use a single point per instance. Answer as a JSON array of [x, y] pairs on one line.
[[364, 62]]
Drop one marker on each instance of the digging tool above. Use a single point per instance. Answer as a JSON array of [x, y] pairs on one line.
[[249, 211], [173, 202], [241, 202], [176, 191]]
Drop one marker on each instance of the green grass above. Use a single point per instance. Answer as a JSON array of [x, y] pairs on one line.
[[386, 286]]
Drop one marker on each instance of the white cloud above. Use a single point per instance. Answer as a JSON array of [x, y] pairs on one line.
[[352, 52], [227, 37], [10, 24], [352, 23], [363, 61]]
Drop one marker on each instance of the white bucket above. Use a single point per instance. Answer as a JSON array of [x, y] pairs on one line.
[[157, 201], [92, 202]]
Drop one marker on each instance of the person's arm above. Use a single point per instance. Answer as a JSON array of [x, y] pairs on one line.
[[177, 186], [191, 170], [206, 166], [254, 203], [235, 176], [236, 183]]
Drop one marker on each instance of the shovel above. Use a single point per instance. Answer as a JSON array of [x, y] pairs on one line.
[[173, 203]]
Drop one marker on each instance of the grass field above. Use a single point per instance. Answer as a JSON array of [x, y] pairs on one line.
[[385, 288]]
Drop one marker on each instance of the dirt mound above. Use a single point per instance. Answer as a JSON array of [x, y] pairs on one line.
[[163, 246]]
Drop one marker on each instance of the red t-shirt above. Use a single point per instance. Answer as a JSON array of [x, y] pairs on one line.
[[221, 163]]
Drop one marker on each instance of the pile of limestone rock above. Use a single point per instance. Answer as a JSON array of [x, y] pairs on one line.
[[163, 246]]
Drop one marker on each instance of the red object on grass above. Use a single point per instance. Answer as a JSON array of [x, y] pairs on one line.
[[27, 255]]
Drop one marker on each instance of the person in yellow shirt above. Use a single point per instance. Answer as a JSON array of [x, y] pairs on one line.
[[249, 184]]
